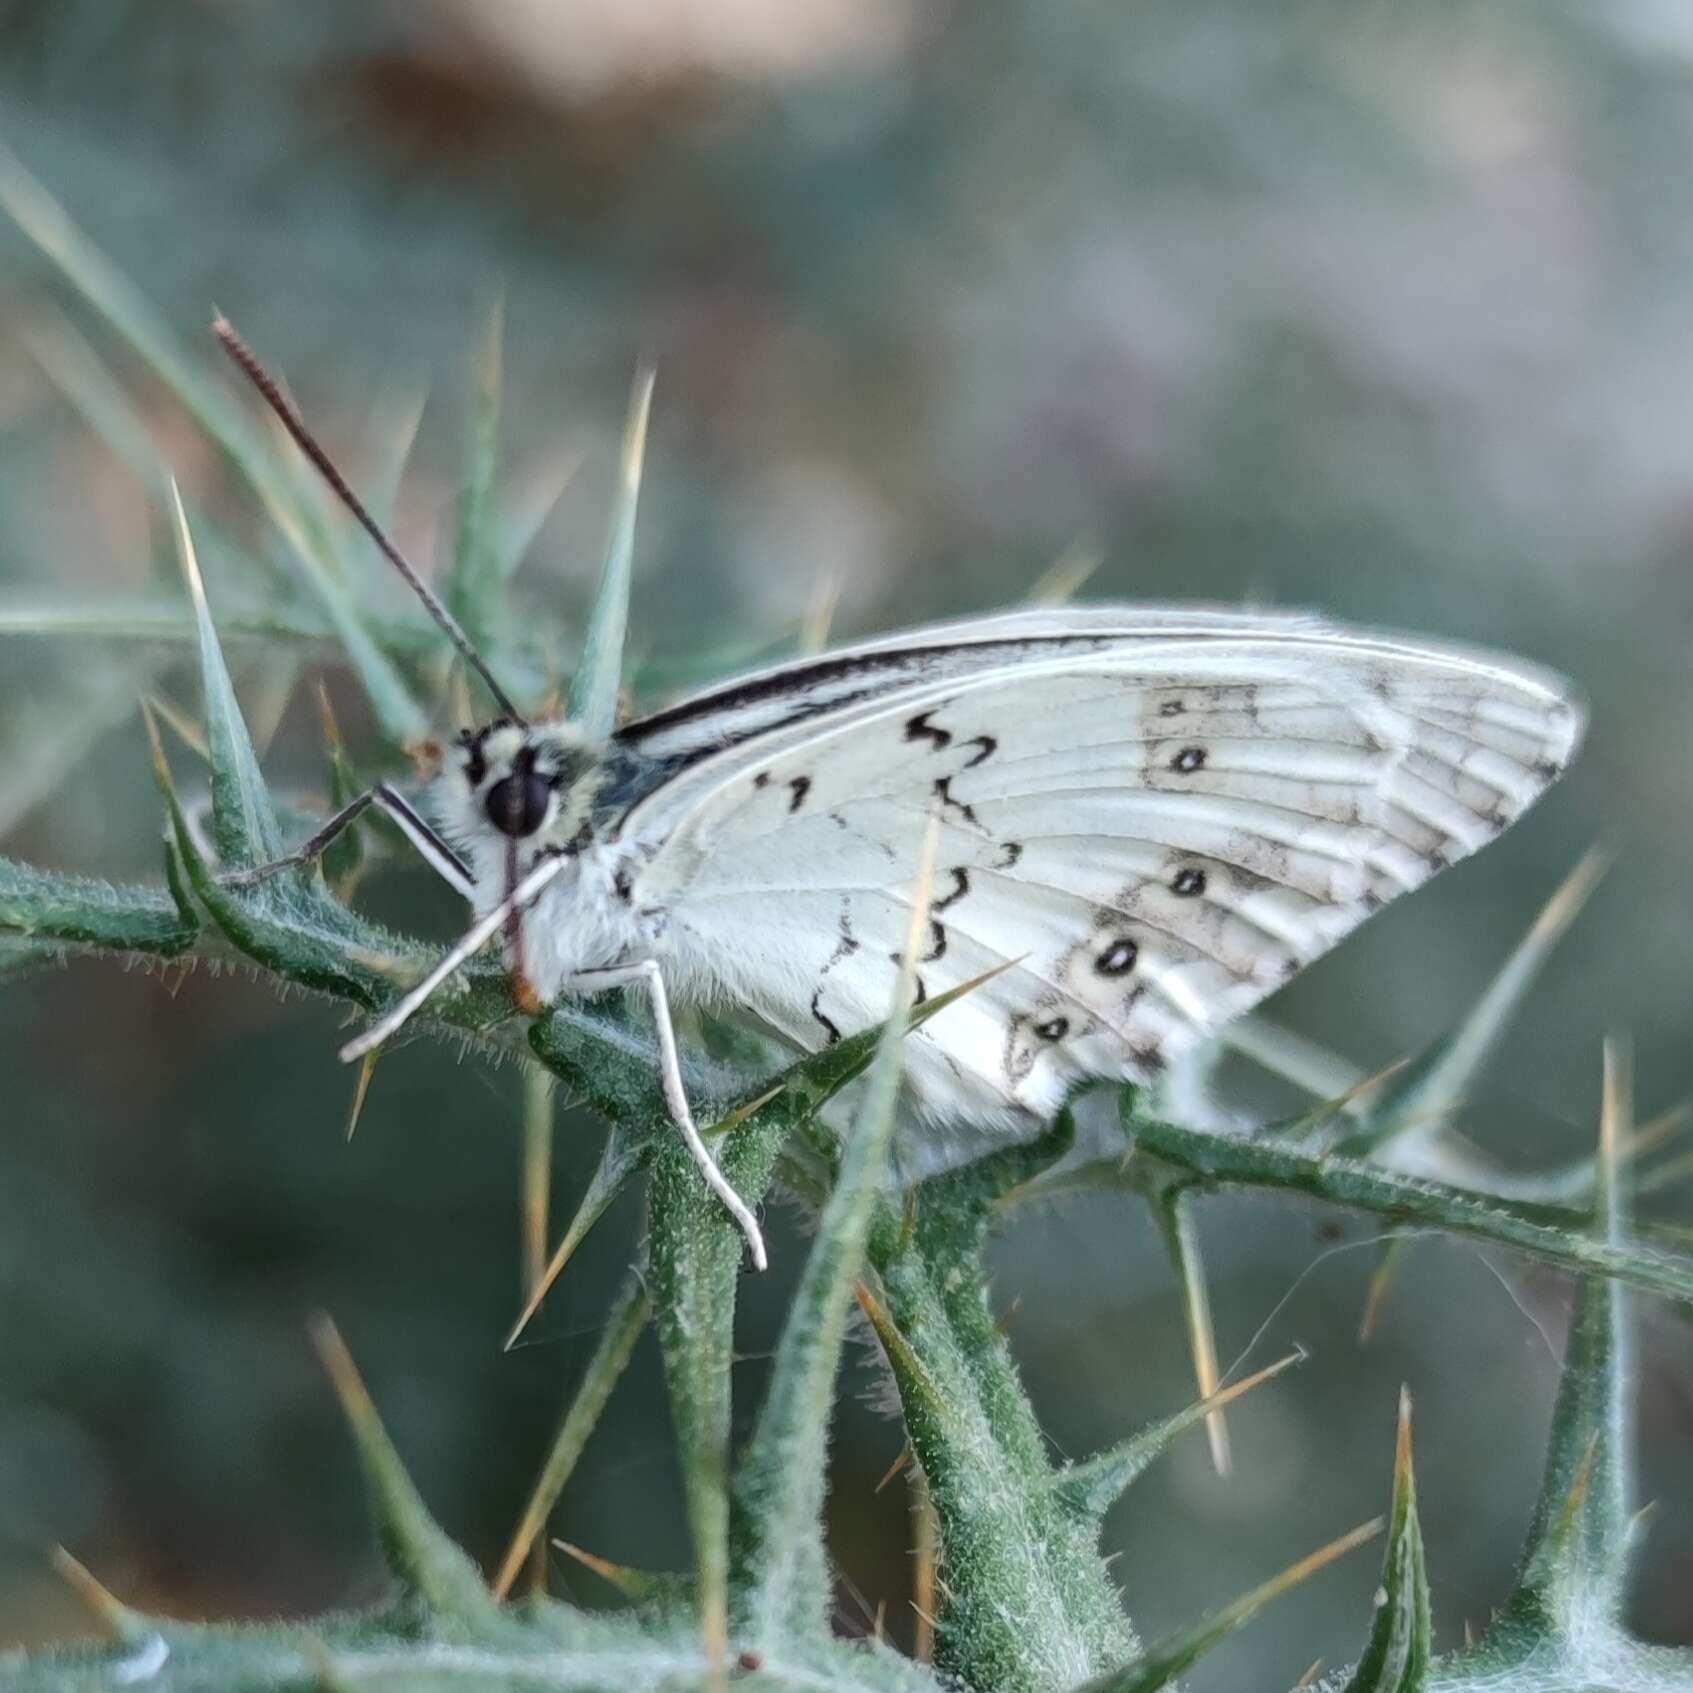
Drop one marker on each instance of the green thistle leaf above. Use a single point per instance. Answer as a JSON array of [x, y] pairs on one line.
[[1554, 1234], [1093, 1486], [1422, 1095], [428, 1566], [243, 817], [594, 690], [1576, 1562], [628, 1317], [57, 911], [45, 222], [1159, 1665], [1397, 1657], [476, 587], [782, 1575]]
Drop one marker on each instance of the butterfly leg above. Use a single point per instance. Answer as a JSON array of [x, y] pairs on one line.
[[430, 847], [647, 975]]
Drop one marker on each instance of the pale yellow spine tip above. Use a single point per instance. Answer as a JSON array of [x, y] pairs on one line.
[[185, 549], [338, 1365], [635, 432], [117, 1618], [1402, 1449]]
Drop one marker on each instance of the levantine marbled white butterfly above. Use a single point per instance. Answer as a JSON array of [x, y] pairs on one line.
[[1149, 818]]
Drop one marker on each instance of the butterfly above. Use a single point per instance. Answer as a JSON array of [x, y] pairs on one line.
[[1149, 818]]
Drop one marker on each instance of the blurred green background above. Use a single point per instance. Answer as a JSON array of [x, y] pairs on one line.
[[1382, 309]]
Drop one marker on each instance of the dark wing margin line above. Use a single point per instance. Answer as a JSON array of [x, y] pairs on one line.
[[909, 667]]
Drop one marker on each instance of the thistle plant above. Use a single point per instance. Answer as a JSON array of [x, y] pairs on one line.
[[1019, 1599]]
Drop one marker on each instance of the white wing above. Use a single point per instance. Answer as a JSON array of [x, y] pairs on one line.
[[1156, 817]]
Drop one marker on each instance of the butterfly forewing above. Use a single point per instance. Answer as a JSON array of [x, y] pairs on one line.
[[1154, 818]]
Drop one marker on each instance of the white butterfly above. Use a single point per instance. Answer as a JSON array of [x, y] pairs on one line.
[[1151, 817]]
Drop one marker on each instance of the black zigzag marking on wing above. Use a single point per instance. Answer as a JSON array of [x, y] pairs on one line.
[[919, 728], [832, 1034]]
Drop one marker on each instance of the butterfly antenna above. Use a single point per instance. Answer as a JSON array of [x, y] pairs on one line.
[[279, 403]]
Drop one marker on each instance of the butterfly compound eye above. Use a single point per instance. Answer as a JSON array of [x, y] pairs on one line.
[[517, 804]]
